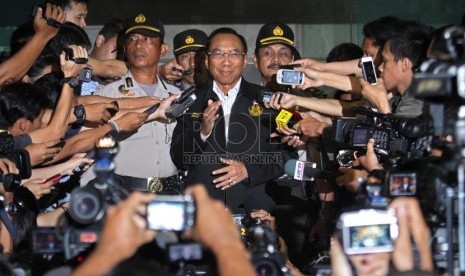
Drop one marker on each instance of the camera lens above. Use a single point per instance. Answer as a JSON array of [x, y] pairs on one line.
[[86, 205], [266, 267]]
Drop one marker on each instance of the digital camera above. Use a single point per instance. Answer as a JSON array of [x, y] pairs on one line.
[[368, 231]]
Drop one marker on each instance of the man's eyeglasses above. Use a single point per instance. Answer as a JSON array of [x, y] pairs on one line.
[[218, 54]]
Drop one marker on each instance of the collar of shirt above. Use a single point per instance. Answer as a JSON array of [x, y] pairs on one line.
[[227, 102], [228, 99]]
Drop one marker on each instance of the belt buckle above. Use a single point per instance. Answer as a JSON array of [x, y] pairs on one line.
[[154, 184]]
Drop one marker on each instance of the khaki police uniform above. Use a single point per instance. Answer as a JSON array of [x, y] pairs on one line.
[[145, 153]]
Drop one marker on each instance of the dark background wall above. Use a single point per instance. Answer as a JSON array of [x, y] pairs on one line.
[[255, 11]]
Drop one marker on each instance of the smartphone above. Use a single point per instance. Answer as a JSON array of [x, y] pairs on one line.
[[368, 70], [368, 231], [54, 179], [289, 77], [171, 213], [265, 96]]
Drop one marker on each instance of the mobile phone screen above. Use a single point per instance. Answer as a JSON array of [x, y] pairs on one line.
[[290, 77], [369, 73]]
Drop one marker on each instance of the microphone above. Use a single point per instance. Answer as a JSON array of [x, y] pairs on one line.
[[287, 118], [302, 170]]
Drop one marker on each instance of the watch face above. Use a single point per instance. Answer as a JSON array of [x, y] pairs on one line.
[[79, 112], [74, 82]]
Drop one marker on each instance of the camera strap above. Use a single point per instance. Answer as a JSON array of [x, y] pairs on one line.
[[8, 224]]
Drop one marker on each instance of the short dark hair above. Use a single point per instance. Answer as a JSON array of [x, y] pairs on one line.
[[20, 100], [411, 40], [50, 87], [21, 37], [112, 28], [345, 51], [39, 65], [69, 34], [66, 3], [380, 29], [226, 30]]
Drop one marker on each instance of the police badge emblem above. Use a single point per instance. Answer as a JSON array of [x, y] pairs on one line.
[[255, 110]]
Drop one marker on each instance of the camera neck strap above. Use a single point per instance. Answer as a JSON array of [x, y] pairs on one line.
[[8, 223]]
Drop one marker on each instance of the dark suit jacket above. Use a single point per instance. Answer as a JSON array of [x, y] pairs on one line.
[[248, 141]]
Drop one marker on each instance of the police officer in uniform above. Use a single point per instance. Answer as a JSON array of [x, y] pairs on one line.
[[186, 45], [145, 153]]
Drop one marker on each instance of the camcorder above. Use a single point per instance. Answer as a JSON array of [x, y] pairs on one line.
[[393, 136], [263, 245], [88, 206], [368, 231], [438, 182]]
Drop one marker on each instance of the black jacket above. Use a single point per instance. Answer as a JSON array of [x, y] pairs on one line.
[[249, 142]]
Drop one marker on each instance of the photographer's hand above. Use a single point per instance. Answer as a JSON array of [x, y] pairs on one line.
[[167, 72], [124, 231], [7, 166], [310, 127], [221, 237], [339, 264], [376, 95], [131, 121], [41, 27], [41, 152], [99, 112], [69, 67], [369, 161], [283, 100], [264, 216], [312, 78], [164, 105], [38, 187], [411, 225]]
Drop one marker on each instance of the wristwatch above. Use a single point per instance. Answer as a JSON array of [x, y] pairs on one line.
[[72, 81], [80, 114]]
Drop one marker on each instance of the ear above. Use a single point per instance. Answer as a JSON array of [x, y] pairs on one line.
[[245, 61], [206, 62], [99, 41], [406, 64], [164, 49], [23, 124], [255, 61]]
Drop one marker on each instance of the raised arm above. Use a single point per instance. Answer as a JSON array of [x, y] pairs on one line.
[[60, 119], [16, 67]]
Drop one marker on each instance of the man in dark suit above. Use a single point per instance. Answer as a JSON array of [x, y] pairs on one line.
[[224, 140]]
